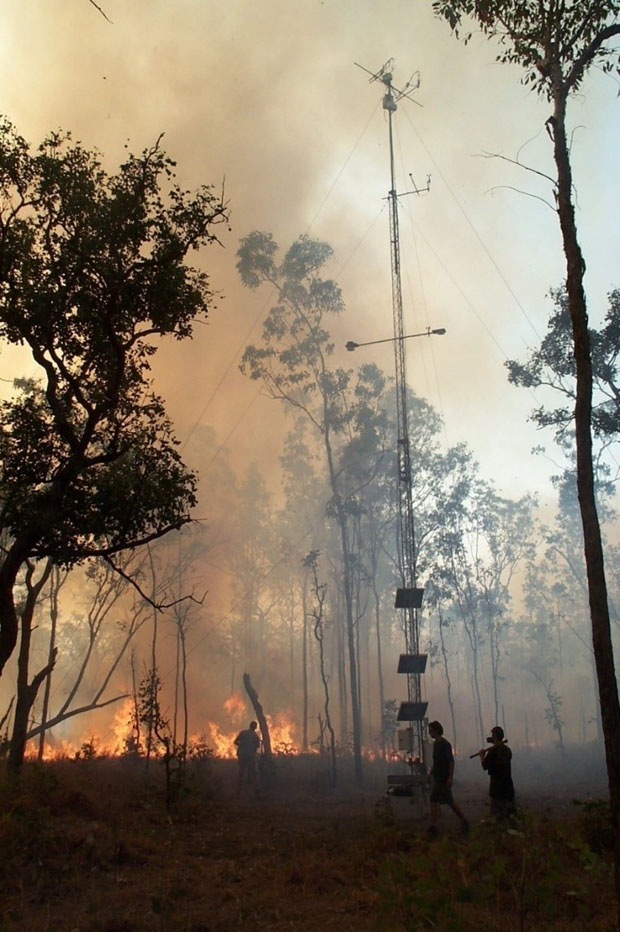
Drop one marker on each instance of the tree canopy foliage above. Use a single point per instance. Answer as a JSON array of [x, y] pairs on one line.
[[92, 276], [554, 42], [552, 365]]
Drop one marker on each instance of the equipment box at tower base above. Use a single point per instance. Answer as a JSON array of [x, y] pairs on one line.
[[405, 808]]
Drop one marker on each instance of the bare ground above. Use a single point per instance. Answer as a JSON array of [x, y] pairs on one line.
[[89, 847]]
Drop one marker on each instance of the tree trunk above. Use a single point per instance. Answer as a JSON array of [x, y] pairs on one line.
[[27, 692], [9, 622], [55, 587], [319, 634], [260, 715], [304, 670], [380, 682], [446, 670], [593, 548], [350, 631], [184, 693]]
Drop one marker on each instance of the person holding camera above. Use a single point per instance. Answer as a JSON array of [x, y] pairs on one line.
[[496, 760]]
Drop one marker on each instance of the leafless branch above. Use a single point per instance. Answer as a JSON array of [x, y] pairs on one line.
[[7, 713], [63, 718], [528, 168], [98, 8], [184, 598], [158, 606], [510, 187]]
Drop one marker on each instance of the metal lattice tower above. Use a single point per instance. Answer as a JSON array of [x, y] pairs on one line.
[[409, 597]]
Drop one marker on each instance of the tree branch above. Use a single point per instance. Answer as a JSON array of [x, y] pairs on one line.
[[98, 8]]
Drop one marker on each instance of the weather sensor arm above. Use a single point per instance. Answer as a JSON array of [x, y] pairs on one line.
[[352, 345]]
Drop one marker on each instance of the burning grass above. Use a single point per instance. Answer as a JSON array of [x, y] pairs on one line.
[[121, 736], [88, 845]]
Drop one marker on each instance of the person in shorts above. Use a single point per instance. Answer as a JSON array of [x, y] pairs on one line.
[[441, 776]]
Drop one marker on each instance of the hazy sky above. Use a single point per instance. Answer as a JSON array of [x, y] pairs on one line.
[[267, 96]]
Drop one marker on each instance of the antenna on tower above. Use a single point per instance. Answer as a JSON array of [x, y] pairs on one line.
[[384, 74]]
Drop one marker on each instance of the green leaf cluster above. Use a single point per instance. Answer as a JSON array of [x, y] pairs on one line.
[[92, 277]]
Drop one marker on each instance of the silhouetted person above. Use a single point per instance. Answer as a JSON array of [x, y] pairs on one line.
[[441, 776], [496, 760], [248, 743]]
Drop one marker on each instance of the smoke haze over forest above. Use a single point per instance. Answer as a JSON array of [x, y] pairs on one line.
[[265, 99]]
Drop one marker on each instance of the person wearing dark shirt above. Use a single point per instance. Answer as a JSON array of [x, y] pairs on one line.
[[248, 743], [441, 777], [496, 760]]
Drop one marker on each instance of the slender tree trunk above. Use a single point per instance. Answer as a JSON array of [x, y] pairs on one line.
[[27, 692], [446, 670], [54, 589], [177, 677], [593, 548], [380, 682], [472, 636], [136, 706], [150, 723], [319, 633], [25, 699], [595, 696], [304, 668], [342, 673], [350, 636], [9, 621], [291, 651], [368, 717], [184, 693]]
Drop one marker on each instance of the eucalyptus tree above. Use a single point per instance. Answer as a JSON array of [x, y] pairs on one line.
[[557, 44], [319, 624], [508, 531], [378, 547], [478, 555], [58, 578], [91, 642], [552, 365], [250, 560], [436, 596], [563, 565], [293, 365], [536, 645], [92, 275], [301, 525], [184, 580]]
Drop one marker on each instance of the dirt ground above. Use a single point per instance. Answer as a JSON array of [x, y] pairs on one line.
[[89, 847]]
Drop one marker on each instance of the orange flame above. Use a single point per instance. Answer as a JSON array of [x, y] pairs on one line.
[[235, 708], [283, 733]]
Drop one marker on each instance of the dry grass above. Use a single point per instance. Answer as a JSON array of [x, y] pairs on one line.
[[89, 846]]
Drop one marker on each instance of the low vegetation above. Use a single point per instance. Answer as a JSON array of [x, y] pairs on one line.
[[89, 845]]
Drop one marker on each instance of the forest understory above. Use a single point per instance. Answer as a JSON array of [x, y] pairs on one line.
[[90, 846]]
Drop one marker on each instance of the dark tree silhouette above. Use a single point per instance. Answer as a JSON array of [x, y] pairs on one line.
[[557, 44], [92, 275]]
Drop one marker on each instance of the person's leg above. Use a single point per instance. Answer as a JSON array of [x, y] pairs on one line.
[[456, 809], [432, 829], [252, 783], [242, 773]]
